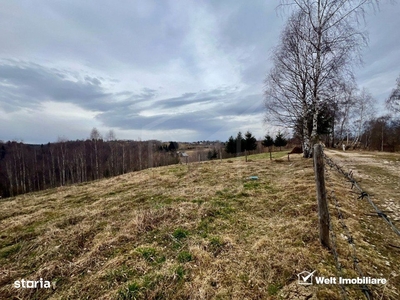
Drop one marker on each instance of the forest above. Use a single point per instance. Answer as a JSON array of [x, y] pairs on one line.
[[26, 168]]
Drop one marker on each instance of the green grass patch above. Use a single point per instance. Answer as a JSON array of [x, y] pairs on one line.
[[9, 251], [251, 185], [131, 292], [122, 274], [184, 256], [274, 288], [148, 254], [180, 234], [179, 273]]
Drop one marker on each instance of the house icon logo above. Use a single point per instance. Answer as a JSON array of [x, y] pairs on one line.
[[305, 278]]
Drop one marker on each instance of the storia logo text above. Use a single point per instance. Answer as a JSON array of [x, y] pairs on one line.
[[32, 284]]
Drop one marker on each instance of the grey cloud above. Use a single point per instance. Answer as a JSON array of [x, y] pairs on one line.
[[247, 23], [144, 95], [188, 121], [250, 30], [123, 31], [93, 80], [249, 105], [31, 83], [157, 39], [202, 121], [95, 33], [212, 96], [26, 85]]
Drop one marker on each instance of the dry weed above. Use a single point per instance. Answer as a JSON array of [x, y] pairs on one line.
[[197, 231]]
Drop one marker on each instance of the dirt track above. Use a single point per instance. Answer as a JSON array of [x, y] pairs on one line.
[[377, 173]]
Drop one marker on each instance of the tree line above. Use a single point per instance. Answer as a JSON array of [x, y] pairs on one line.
[[27, 168], [379, 133], [241, 144], [279, 141]]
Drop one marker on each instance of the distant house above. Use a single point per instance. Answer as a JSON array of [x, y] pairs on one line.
[[183, 156]]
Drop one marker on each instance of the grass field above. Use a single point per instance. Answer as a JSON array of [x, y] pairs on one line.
[[196, 231]]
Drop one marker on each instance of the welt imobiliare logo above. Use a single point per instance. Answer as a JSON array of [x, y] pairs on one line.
[[309, 278]]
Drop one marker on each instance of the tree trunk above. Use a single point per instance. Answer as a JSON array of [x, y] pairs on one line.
[[10, 179], [123, 158]]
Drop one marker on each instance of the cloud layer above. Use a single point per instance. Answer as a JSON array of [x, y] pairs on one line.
[[169, 70]]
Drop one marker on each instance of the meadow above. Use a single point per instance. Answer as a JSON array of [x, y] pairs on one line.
[[198, 231]]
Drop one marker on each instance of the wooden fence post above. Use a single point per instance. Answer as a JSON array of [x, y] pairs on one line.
[[323, 213]]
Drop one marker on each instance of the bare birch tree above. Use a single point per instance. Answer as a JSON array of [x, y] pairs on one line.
[[328, 32], [95, 136], [286, 95], [363, 111], [393, 102], [111, 140]]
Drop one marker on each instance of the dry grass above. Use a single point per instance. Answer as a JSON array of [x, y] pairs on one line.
[[197, 231], [374, 239]]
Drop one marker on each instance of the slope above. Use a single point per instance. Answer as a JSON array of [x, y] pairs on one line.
[[197, 231]]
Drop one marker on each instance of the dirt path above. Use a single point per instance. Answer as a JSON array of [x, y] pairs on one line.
[[378, 174]]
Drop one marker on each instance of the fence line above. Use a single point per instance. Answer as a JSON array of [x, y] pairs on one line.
[[364, 288], [318, 161], [337, 263], [363, 194]]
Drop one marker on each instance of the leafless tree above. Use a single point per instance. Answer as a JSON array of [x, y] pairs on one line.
[[340, 107], [393, 102], [110, 135], [323, 41], [62, 158], [286, 94], [9, 172], [343, 111], [95, 136], [362, 111], [111, 141]]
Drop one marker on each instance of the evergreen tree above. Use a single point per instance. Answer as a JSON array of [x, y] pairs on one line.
[[212, 154], [173, 146], [239, 143], [250, 142], [268, 141], [280, 140], [231, 145]]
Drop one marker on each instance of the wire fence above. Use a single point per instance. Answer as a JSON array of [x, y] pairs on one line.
[[337, 262], [349, 238], [362, 193], [345, 229]]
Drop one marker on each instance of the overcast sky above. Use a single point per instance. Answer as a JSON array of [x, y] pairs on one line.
[[169, 70]]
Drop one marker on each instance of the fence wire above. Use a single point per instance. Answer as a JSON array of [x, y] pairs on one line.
[[349, 238], [362, 194], [337, 262]]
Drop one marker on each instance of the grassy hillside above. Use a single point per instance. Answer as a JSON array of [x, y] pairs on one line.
[[197, 231]]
